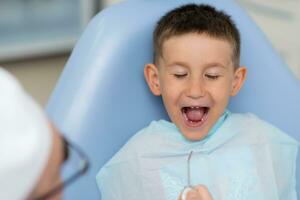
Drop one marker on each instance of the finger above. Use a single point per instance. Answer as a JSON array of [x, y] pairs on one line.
[[184, 193], [203, 192], [193, 195]]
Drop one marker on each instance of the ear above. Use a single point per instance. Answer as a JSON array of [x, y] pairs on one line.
[[239, 79], [151, 75]]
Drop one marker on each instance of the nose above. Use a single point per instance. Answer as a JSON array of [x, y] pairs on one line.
[[195, 89]]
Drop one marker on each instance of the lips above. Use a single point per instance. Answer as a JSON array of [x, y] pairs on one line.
[[194, 116]]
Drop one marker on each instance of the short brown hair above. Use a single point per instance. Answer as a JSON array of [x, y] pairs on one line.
[[193, 18]]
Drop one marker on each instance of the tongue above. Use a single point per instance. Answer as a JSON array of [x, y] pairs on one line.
[[195, 114]]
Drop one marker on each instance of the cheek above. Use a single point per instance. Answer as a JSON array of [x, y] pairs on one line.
[[58, 176], [171, 97], [54, 177], [169, 88], [171, 92], [221, 92]]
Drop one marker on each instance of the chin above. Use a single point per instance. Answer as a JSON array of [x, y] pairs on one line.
[[194, 136]]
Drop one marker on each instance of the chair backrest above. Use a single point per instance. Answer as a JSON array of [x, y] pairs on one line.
[[101, 99]]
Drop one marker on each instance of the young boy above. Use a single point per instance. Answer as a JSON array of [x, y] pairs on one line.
[[206, 150]]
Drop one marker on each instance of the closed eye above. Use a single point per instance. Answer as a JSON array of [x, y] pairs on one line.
[[180, 76], [212, 76]]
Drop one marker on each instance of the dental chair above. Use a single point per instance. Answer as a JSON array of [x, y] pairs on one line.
[[101, 98]]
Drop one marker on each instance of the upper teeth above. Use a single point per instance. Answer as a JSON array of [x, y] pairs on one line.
[[195, 107]]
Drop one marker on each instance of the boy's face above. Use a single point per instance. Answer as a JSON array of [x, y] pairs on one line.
[[196, 78]]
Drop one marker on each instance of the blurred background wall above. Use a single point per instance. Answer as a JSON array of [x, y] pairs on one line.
[[37, 36]]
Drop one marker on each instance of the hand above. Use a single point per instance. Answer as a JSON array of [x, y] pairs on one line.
[[199, 192]]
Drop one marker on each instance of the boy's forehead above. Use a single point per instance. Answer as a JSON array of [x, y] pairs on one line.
[[173, 44], [196, 35]]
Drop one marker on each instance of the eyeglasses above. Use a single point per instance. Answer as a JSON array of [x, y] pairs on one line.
[[82, 169]]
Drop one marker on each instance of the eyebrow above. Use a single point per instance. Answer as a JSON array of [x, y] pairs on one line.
[[178, 63], [216, 64], [184, 64]]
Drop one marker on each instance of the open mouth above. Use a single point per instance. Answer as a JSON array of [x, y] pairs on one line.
[[194, 116]]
